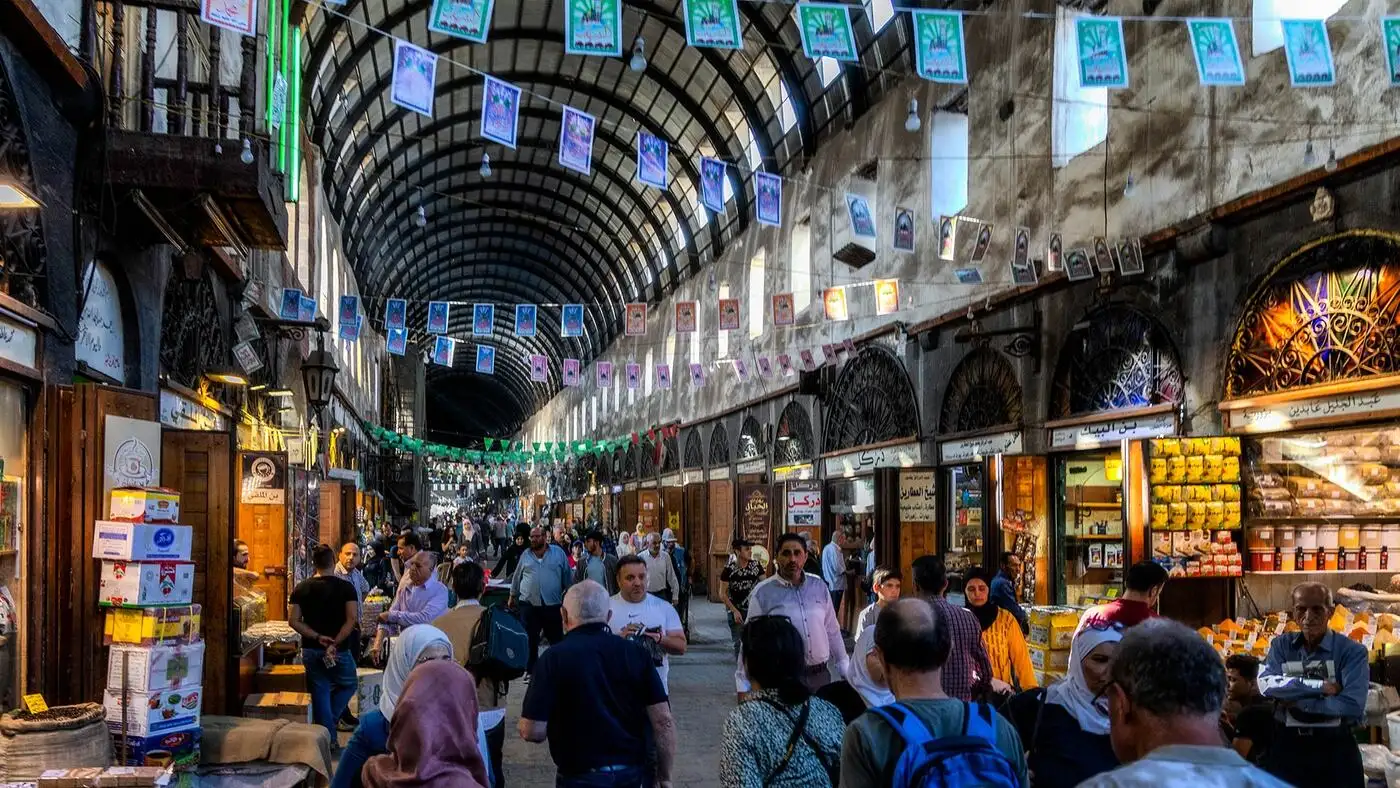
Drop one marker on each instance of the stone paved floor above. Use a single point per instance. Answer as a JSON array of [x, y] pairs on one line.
[[702, 694]]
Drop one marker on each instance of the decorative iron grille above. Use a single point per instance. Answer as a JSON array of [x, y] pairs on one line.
[[794, 444], [1329, 312], [629, 464], [719, 446], [750, 440], [646, 460], [873, 401], [1120, 358], [982, 393], [694, 452], [192, 339], [670, 455], [603, 470], [23, 254]]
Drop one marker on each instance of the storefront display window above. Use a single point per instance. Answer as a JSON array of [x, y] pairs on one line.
[[14, 477], [965, 545], [1092, 543]]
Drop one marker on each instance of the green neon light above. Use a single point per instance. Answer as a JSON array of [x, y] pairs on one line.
[[293, 122], [284, 48]]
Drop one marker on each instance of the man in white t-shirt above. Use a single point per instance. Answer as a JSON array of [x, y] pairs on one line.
[[635, 612]]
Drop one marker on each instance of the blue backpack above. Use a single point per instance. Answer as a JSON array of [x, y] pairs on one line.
[[500, 647], [969, 760]]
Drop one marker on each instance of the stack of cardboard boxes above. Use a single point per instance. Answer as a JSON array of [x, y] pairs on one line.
[[1052, 631], [157, 657]]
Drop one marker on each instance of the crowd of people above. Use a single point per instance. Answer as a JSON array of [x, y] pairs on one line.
[[932, 692]]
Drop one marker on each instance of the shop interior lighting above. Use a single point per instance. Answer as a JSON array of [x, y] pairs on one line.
[[247, 155], [912, 123], [14, 196], [257, 387], [639, 55], [227, 377], [281, 393], [485, 169]]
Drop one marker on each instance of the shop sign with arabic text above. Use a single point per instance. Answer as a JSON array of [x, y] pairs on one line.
[[976, 448], [905, 455], [1287, 415], [1103, 433], [918, 497]]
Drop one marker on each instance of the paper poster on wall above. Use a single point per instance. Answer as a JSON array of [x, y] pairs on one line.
[[307, 312], [395, 313], [443, 350], [769, 188], [784, 364], [783, 311], [804, 503], [1078, 266], [984, 242], [1054, 254], [290, 308], [713, 23], [918, 501], [685, 317], [634, 375], [415, 75], [939, 46], [765, 367], [712, 175], [500, 111], [1102, 55], [576, 140], [652, 155], [240, 16], [636, 325], [1390, 38], [697, 375], [886, 296], [663, 376], [1309, 52], [1023, 271], [862, 218], [571, 321], [483, 320], [947, 237], [729, 314], [1103, 259], [485, 359], [572, 369], [809, 363], [465, 19], [1217, 51], [263, 479], [350, 332], [247, 358], [397, 341], [101, 342], [826, 31], [834, 301], [604, 377], [741, 369], [130, 454], [525, 320], [539, 368], [903, 230]]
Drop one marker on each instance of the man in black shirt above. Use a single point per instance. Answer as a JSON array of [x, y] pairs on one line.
[[599, 702], [1249, 714], [323, 611], [739, 576]]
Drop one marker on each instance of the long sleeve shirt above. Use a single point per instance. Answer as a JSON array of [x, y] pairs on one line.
[[357, 579], [541, 580], [1282, 677], [808, 606], [967, 673], [661, 574], [416, 605], [834, 567], [1004, 595]]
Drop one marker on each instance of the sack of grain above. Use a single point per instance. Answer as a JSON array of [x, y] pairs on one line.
[[61, 738]]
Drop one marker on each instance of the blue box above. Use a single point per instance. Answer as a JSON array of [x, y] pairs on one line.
[[183, 746]]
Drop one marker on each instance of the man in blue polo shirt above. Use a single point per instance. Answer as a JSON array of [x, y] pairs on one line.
[[599, 702]]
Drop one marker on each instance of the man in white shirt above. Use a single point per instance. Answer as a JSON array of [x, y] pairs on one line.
[[661, 573], [867, 675], [636, 612], [834, 570]]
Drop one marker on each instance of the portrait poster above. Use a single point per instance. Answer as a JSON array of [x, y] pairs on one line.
[[712, 174], [939, 46], [593, 27], [765, 367], [697, 375], [466, 19], [437, 317], [848, 346], [1217, 52], [486, 359], [571, 372], [663, 376], [713, 24], [634, 375], [809, 363], [395, 313], [239, 16], [1078, 267], [826, 31], [415, 74], [571, 321], [984, 242], [576, 140], [443, 348], [741, 370], [834, 300], [1054, 253], [483, 319], [903, 230], [769, 188], [652, 155], [947, 238], [636, 325], [1309, 52], [784, 313], [828, 354], [525, 317], [290, 307], [729, 314], [886, 296], [1102, 55], [351, 331], [398, 341], [784, 364], [685, 317], [603, 374], [1130, 256], [862, 219], [1023, 271], [500, 111], [539, 368], [307, 313], [1103, 258]]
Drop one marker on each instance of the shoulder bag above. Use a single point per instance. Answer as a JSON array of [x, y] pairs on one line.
[[799, 728]]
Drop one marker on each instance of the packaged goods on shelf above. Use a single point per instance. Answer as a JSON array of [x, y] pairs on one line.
[[1052, 627], [146, 583], [369, 612], [1052, 661], [150, 626], [182, 744], [123, 776], [118, 541], [144, 505], [156, 668], [150, 713]]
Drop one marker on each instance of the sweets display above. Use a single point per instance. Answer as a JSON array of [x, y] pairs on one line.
[[1195, 506]]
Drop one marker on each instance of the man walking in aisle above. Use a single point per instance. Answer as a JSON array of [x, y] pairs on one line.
[[968, 674], [661, 573], [459, 624], [680, 561], [323, 613], [834, 570], [1164, 711], [804, 599], [420, 599], [1141, 589], [347, 568], [737, 581], [596, 565], [599, 703], [635, 613], [537, 589]]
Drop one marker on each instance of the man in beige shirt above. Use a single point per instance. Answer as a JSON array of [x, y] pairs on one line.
[[459, 624]]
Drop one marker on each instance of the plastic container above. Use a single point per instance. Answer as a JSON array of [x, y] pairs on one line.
[[1261, 560], [1306, 536], [1371, 537], [1390, 537], [1287, 561], [1307, 562], [1329, 563], [1349, 537], [1261, 538], [1350, 560], [1327, 537], [1285, 537]]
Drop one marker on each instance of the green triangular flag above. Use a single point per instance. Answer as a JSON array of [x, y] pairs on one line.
[[490, 442]]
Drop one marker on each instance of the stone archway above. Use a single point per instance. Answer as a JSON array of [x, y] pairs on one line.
[[1120, 357], [872, 402]]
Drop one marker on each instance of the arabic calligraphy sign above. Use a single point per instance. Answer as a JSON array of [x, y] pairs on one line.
[[756, 513], [673, 480], [693, 477], [918, 499], [804, 504], [1103, 433], [753, 466], [969, 449], [1287, 415], [719, 474], [905, 455]]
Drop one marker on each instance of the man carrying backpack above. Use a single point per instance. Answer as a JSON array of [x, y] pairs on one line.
[[468, 625], [925, 738]]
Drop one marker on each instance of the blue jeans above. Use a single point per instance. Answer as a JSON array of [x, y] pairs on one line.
[[331, 688], [614, 777]]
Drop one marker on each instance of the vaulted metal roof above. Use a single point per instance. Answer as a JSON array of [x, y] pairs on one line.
[[535, 232]]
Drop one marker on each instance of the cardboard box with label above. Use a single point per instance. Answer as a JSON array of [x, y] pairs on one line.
[[140, 542], [146, 583], [156, 668], [182, 744], [371, 687], [149, 713], [150, 626], [144, 505], [290, 706], [280, 678]]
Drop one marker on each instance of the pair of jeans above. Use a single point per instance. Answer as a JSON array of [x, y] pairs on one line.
[[331, 687], [736, 631], [540, 620], [613, 777]]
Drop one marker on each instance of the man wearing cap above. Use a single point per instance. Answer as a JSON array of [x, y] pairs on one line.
[[595, 564], [680, 561]]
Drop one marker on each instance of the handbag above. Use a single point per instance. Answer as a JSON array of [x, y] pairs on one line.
[[652, 647], [799, 727]]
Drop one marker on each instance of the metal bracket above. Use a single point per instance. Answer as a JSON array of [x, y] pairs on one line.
[[1023, 342]]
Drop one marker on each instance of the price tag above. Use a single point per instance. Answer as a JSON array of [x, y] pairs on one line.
[[35, 704]]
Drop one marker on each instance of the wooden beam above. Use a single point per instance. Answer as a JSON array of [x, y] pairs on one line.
[[36, 39]]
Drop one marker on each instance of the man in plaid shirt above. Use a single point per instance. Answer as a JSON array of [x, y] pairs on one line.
[[968, 673]]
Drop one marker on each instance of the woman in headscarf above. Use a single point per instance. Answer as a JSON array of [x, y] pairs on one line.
[[433, 736], [1001, 636], [417, 645], [1065, 728]]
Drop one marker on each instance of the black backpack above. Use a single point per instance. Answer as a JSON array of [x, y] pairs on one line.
[[500, 648]]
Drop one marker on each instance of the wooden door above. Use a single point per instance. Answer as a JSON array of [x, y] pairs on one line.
[[331, 506], [697, 533], [199, 466], [630, 511], [721, 517], [349, 508]]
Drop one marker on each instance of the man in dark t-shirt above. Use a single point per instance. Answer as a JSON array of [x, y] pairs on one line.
[[323, 612], [1249, 714], [740, 575]]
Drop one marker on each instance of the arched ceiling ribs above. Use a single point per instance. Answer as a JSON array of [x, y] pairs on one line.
[[796, 84], [559, 347]]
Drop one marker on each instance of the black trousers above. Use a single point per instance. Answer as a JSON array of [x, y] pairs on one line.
[[495, 744], [540, 620], [1314, 757]]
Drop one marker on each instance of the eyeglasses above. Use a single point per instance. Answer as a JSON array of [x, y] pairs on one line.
[[1099, 625]]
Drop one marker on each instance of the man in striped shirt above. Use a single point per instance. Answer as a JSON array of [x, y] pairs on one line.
[[968, 673]]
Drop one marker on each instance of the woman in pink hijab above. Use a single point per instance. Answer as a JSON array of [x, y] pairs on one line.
[[432, 738]]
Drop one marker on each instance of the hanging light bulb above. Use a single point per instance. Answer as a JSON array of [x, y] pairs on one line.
[[218, 148], [639, 57], [1331, 165], [912, 123], [485, 165], [1129, 186], [420, 219], [247, 155], [1309, 156]]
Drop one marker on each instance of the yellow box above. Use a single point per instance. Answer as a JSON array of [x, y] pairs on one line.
[[1052, 627], [1048, 660]]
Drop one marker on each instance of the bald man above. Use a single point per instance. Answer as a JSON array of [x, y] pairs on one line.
[[420, 599]]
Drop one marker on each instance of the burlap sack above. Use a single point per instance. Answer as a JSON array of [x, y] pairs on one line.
[[75, 736]]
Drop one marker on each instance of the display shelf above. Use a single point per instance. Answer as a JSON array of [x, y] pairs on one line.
[[1093, 505], [1321, 572], [1334, 519], [8, 553], [1095, 537]]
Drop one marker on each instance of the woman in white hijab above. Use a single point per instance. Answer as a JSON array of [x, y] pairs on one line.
[[414, 646], [1065, 728]]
